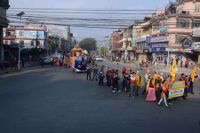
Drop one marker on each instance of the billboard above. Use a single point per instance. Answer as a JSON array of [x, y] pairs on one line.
[[30, 34], [34, 34], [60, 31]]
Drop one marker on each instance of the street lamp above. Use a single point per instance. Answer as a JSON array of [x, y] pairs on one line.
[[19, 52]]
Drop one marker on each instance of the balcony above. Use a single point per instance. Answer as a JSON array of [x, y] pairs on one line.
[[11, 37]]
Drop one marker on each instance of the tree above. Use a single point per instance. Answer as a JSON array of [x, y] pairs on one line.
[[53, 43], [102, 51], [89, 44]]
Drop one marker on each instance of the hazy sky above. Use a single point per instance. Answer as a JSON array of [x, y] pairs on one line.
[[97, 4]]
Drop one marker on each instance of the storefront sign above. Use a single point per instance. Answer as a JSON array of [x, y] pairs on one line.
[[157, 39], [173, 50], [187, 43], [158, 49], [159, 45], [176, 89], [163, 30]]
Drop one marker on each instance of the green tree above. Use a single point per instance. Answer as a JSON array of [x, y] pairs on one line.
[[89, 44], [53, 43], [102, 51]]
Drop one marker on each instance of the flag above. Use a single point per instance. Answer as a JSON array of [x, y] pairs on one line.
[[173, 70], [194, 71]]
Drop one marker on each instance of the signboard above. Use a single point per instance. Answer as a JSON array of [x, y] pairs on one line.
[[157, 39], [159, 45], [163, 30], [176, 89], [187, 43], [158, 49], [33, 34], [30, 34], [60, 31]]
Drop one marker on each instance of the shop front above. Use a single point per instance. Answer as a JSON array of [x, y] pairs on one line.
[[158, 46]]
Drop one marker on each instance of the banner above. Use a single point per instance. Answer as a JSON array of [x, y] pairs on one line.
[[173, 70], [176, 89], [194, 72]]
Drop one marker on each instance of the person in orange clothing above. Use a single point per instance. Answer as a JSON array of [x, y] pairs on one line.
[[165, 87]]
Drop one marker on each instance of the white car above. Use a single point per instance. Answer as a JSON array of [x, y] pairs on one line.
[[99, 59]]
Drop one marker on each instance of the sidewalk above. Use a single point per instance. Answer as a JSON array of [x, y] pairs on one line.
[[160, 68], [28, 66]]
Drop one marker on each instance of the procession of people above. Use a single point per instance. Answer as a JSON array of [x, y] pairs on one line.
[[156, 88]]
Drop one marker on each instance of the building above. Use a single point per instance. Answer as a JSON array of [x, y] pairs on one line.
[[126, 43], [115, 45], [143, 32], [29, 36], [4, 5], [175, 30]]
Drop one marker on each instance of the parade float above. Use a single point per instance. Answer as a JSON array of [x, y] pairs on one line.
[[78, 59]]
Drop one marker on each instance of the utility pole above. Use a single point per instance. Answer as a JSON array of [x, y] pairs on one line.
[[19, 51]]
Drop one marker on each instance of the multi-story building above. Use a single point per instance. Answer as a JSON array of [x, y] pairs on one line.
[[30, 36], [126, 43], [4, 5], [175, 30], [143, 31], [115, 46]]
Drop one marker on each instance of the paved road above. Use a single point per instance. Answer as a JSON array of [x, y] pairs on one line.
[[60, 101]]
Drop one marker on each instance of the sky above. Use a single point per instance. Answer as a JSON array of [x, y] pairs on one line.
[[81, 33]]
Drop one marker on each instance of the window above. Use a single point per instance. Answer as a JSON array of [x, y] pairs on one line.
[[183, 23], [196, 23], [155, 26], [197, 8]]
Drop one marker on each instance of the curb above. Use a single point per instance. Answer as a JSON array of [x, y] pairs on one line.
[[16, 73]]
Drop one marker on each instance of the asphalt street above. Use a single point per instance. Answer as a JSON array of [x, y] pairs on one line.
[[60, 101]]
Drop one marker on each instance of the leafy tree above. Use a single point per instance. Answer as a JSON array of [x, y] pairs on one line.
[[89, 44], [102, 51], [53, 43]]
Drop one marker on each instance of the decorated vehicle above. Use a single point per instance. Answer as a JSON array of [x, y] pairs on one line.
[[78, 59]]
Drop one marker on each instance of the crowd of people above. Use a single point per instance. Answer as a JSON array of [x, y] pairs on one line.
[[155, 87]]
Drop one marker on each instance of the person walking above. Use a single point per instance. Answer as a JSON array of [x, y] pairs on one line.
[[191, 85], [138, 83], [146, 78], [163, 94], [95, 73], [116, 82], [151, 95], [101, 77], [181, 63], [132, 85], [186, 63], [108, 77], [185, 96], [125, 80], [89, 72]]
